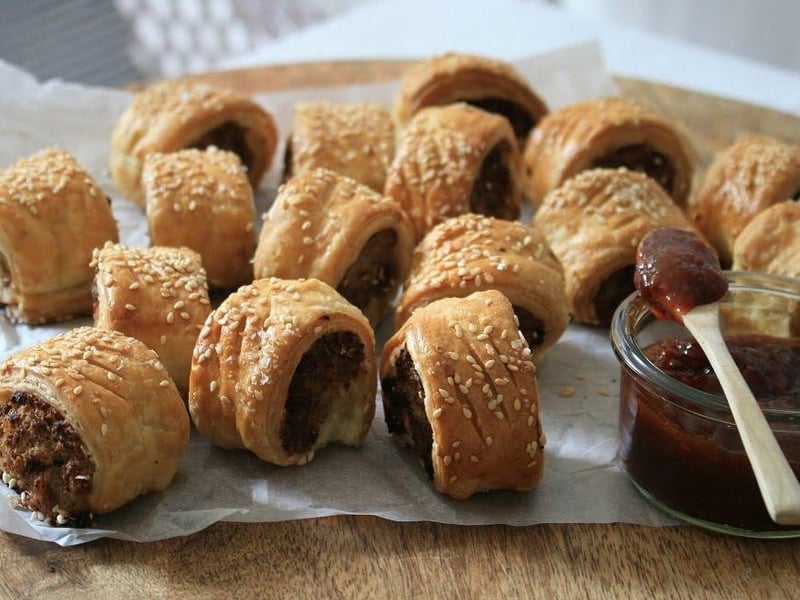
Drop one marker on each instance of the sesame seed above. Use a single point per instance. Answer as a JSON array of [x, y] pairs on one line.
[[489, 440], [103, 429], [499, 414], [170, 317], [473, 458], [437, 412], [213, 386], [77, 390], [467, 412], [447, 459], [130, 307]]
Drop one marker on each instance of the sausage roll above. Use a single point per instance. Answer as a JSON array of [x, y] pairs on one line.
[[471, 252], [608, 133], [487, 83], [770, 242], [459, 387], [201, 199], [52, 215], [157, 295], [453, 160], [356, 140], [750, 175], [593, 224], [89, 420], [283, 368], [173, 115], [326, 226]]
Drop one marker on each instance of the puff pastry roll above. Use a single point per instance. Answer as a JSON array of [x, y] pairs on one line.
[[283, 368], [157, 295], [89, 420], [749, 176], [608, 133], [52, 215], [453, 160], [459, 387], [593, 223], [326, 226], [356, 140], [771, 241], [487, 83], [201, 199], [470, 253], [173, 115]]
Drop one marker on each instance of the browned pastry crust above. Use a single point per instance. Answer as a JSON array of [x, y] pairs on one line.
[[770, 242], [750, 175], [329, 227], [356, 140], [452, 160], [608, 133], [593, 223], [460, 387], [157, 295], [89, 420], [283, 368], [200, 199], [52, 215], [487, 83], [470, 253], [172, 115]]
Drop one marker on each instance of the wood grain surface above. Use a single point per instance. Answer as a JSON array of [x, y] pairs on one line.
[[367, 557]]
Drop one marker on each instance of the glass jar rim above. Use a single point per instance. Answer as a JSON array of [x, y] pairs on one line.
[[631, 356]]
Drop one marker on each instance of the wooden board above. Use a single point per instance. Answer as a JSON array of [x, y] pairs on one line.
[[367, 557]]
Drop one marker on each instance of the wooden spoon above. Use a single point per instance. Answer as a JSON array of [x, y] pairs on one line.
[[680, 277]]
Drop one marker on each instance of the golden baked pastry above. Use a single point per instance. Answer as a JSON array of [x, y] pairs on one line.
[[356, 140], [89, 420], [459, 387], [283, 368], [173, 115], [470, 253], [490, 84], [608, 133], [770, 242], [593, 224], [453, 160], [200, 199], [326, 226], [752, 174], [157, 295], [52, 215]]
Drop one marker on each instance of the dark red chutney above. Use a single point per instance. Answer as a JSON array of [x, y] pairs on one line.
[[677, 271], [689, 456]]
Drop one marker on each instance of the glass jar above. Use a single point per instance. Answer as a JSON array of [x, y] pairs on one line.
[[679, 445]]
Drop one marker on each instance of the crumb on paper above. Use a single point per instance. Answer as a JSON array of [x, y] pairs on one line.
[[580, 377], [603, 392], [565, 391]]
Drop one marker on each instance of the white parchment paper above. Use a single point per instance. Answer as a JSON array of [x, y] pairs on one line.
[[578, 378]]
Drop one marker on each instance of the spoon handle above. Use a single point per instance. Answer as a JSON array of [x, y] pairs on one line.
[[776, 480]]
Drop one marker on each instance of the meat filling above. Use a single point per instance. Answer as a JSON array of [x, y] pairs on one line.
[[370, 280], [322, 378], [612, 292], [644, 159], [532, 328], [45, 455], [492, 189], [521, 120], [404, 402], [228, 136]]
